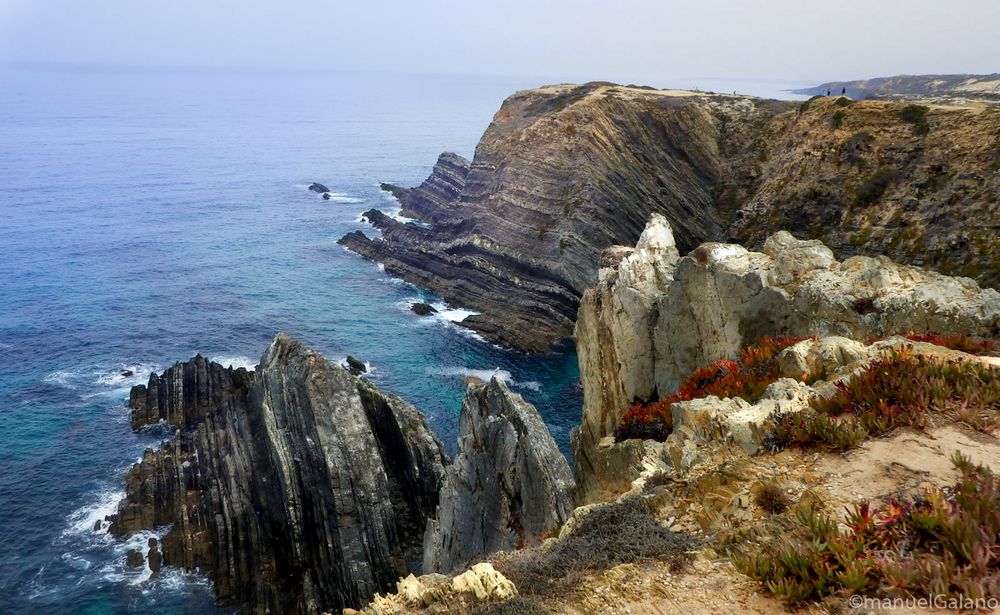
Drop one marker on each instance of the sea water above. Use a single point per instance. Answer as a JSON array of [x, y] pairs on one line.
[[148, 215]]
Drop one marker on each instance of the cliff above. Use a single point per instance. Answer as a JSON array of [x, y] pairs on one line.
[[655, 318], [304, 490], [975, 87], [561, 173], [564, 172], [508, 486]]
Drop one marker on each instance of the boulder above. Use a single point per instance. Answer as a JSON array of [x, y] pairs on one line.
[[508, 486], [356, 366], [302, 467], [422, 309], [317, 187]]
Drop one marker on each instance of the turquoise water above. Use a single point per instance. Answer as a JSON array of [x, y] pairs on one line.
[[145, 217]]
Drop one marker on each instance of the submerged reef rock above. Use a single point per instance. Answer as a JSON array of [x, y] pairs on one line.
[[319, 188], [423, 309], [654, 318], [296, 488], [508, 486]]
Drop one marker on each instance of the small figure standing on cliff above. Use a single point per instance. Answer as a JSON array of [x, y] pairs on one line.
[[843, 91], [828, 92]]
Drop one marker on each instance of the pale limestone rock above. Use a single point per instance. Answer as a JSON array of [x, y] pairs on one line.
[[637, 341], [820, 358], [484, 582]]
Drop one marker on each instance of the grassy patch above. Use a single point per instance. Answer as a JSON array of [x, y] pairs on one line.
[[837, 120], [748, 376], [916, 115], [898, 389], [941, 543]]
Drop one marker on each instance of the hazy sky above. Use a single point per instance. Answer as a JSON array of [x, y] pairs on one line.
[[650, 40]]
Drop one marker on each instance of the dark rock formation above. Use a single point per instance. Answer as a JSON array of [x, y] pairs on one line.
[[560, 174], [317, 187], [355, 366], [326, 196], [509, 484], [303, 490], [133, 559], [429, 200], [186, 392], [423, 309]]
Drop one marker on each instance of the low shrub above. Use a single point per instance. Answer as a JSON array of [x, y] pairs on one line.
[[843, 102], [748, 376], [837, 120], [916, 115], [940, 543], [518, 605], [771, 497], [624, 531], [874, 186], [898, 389]]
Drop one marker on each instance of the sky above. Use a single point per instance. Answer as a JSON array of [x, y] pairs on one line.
[[643, 40]]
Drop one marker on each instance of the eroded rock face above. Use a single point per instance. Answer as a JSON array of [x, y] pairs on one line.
[[562, 173], [722, 296], [429, 200], [508, 485], [306, 491], [182, 395]]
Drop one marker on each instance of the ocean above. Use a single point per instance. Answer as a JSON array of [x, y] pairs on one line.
[[149, 215]]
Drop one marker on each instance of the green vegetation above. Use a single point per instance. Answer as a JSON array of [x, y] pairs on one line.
[[916, 115], [771, 497], [940, 543], [837, 120], [874, 186], [805, 105], [899, 389], [747, 377], [843, 102]]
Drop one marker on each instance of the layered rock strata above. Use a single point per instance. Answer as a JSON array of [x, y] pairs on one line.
[[653, 318], [560, 174], [508, 486], [305, 490], [564, 172]]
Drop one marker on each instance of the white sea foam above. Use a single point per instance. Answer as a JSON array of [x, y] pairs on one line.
[[62, 378], [236, 362], [341, 197], [119, 377], [84, 520], [485, 375]]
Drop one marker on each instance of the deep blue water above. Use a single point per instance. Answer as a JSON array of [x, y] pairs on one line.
[[147, 216]]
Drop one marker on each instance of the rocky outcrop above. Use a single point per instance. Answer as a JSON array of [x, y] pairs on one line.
[[318, 188], [430, 200], [184, 394], [508, 486], [562, 173], [652, 320], [305, 490]]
